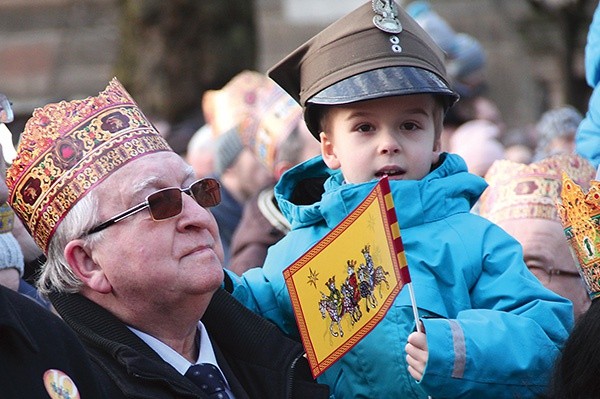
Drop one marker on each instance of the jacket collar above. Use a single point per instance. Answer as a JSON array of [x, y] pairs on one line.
[[11, 316]]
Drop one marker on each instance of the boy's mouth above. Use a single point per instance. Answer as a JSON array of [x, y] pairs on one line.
[[390, 172]]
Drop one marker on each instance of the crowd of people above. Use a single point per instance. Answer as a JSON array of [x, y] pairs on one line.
[[130, 271]]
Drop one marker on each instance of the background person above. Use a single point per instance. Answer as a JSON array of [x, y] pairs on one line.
[[555, 132], [280, 141], [575, 371], [41, 357], [521, 199]]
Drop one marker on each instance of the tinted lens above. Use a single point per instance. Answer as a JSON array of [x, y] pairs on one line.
[[207, 192], [165, 203]]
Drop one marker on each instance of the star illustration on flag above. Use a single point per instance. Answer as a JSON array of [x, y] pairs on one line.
[[371, 223], [313, 277]]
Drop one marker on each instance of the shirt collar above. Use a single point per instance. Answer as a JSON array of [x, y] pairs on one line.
[[206, 352]]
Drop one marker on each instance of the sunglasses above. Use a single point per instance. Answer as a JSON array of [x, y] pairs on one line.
[[168, 202]]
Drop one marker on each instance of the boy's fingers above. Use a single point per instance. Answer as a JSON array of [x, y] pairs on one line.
[[418, 339], [415, 374]]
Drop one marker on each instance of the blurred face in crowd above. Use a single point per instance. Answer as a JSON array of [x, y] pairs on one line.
[[395, 136], [252, 175], [547, 255], [562, 144]]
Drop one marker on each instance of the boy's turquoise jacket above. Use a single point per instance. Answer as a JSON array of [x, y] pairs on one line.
[[493, 330]]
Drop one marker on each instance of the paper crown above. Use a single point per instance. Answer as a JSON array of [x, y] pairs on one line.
[[518, 191], [239, 98], [580, 214], [68, 148], [277, 116]]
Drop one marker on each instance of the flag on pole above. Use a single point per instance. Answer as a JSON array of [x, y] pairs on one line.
[[344, 284]]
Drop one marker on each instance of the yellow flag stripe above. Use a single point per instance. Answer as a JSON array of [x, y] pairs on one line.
[[402, 259], [389, 201], [395, 230]]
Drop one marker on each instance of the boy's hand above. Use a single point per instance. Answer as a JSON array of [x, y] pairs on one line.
[[417, 354]]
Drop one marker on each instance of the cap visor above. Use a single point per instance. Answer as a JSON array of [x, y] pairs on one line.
[[383, 82]]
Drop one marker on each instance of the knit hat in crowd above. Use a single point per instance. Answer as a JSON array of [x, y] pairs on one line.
[[560, 122], [466, 65], [465, 56], [228, 147], [437, 27], [10, 253]]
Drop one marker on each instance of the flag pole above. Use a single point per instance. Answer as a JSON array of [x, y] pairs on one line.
[[413, 301]]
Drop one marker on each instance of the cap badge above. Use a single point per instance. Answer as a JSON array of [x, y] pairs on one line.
[[387, 16]]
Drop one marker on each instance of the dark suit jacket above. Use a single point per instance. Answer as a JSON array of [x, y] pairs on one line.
[[255, 357], [36, 345]]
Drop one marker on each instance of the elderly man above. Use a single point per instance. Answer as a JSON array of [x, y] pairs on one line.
[[134, 259]]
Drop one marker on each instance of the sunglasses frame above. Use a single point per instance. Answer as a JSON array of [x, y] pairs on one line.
[[213, 185]]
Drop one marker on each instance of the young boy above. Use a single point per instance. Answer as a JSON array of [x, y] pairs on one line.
[[374, 90]]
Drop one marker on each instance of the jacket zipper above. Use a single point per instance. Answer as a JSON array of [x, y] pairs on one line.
[[290, 376]]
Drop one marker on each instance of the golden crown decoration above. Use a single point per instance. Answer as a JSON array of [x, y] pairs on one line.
[[67, 148], [580, 215]]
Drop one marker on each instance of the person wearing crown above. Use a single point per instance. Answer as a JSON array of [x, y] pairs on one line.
[[375, 94], [41, 356], [521, 198], [576, 371], [134, 259]]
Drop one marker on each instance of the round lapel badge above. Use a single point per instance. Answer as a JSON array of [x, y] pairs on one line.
[[59, 385]]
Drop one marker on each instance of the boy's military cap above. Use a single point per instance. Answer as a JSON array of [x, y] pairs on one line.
[[377, 50]]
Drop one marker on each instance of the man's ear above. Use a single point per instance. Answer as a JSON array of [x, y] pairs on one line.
[[79, 257], [328, 152]]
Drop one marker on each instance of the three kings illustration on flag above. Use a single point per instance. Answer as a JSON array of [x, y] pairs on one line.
[[344, 284]]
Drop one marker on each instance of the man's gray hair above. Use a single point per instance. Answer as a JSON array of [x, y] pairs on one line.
[[56, 274]]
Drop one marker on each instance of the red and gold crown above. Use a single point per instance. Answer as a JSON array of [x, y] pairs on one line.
[[518, 191], [580, 214], [68, 148]]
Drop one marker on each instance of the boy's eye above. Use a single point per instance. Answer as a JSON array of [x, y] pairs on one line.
[[365, 127], [409, 126]]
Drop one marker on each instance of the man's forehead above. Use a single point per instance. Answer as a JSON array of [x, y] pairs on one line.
[[536, 228], [153, 170]]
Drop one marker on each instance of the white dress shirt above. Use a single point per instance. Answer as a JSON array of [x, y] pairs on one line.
[[206, 353]]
